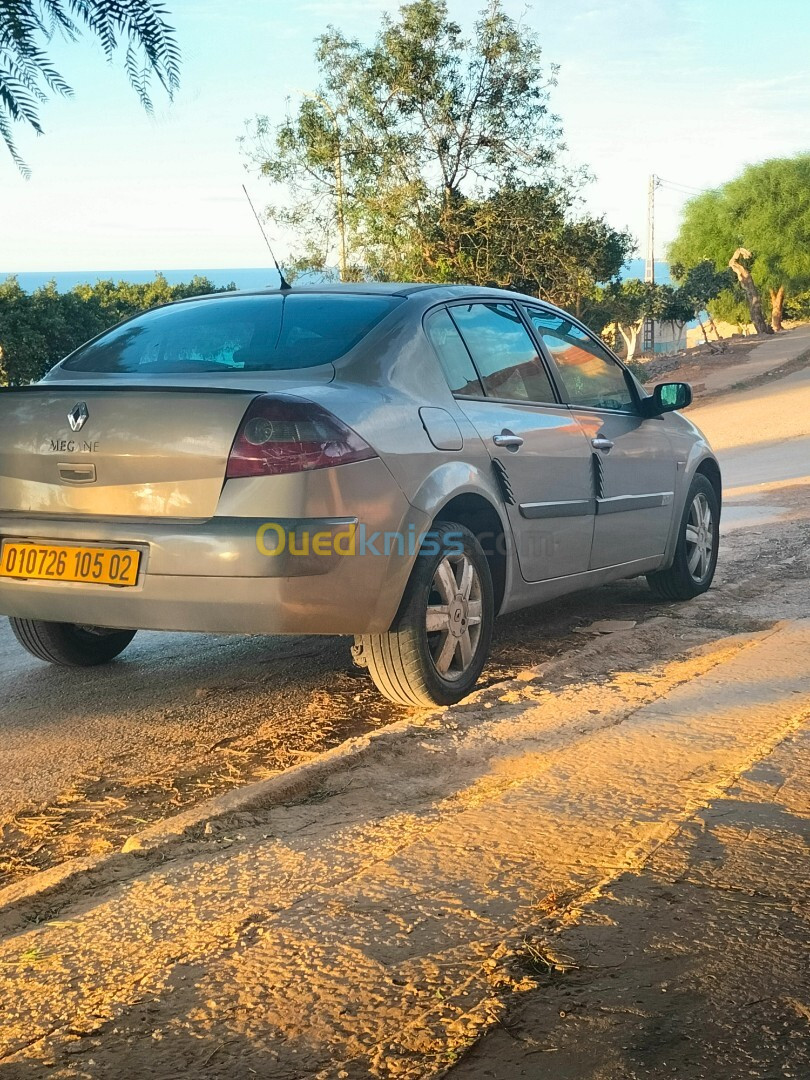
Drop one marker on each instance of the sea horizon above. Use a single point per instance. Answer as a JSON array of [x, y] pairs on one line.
[[250, 277]]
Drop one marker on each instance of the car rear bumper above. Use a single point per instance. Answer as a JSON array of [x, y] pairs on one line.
[[227, 575]]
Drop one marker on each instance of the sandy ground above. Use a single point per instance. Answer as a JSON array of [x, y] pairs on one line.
[[696, 966]]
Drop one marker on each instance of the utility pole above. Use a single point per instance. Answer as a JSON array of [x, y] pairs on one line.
[[648, 340]]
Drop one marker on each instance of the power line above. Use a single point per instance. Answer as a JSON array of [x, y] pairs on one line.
[[678, 186]]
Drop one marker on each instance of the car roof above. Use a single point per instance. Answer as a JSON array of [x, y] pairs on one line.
[[371, 288], [427, 291]]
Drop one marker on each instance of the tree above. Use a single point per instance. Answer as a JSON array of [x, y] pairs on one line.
[[38, 329], [738, 263], [674, 306], [623, 306], [598, 252], [522, 237], [27, 74], [428, 156], [766, 213], [703, 285]]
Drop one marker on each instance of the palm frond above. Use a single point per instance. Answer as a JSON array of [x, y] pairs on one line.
[[6, 136], [141, 27]]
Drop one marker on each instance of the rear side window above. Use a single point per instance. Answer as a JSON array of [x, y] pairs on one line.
[[455, 360], [280, 332], [504, 353]]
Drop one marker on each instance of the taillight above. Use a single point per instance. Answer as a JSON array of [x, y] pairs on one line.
[[287, 435]]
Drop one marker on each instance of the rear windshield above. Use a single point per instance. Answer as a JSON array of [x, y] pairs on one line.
[[237, 333]]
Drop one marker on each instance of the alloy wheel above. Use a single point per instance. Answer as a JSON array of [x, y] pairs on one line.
[[453, 618], [699, 537]]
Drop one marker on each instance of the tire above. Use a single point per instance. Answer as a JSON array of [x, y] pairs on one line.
[[414, 666], [695, 561], [70, 644]]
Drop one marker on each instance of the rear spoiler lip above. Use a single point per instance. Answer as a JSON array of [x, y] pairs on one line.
[[151, 388]]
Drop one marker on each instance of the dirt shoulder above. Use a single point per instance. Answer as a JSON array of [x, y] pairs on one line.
[[731, 365], [382, 924]]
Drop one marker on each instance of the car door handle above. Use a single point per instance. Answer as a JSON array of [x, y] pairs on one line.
[[601, 443], [508, 439]]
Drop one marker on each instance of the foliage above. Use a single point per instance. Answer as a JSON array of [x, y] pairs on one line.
[[702, 282], [428, 156], [38, 329], [27, 74], [798, 307], [639, 369], [714, 291], [767, 210], [674, 306], [521, 237]]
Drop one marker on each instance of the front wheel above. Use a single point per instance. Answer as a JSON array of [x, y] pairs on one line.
[[70, 644], [439, 642], [695, 561]]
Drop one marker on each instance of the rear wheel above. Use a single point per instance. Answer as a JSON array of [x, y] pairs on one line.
[[695, 561], [439, 643], [70, 644]]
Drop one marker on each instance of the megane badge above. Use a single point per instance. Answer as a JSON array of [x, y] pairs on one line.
[[78, 415]]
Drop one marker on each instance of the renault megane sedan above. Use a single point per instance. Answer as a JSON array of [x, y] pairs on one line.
[[400, 463]]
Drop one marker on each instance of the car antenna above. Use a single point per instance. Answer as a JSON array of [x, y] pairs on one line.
[[285, 286]]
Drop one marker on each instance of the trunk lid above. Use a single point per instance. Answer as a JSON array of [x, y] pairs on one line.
[[131, 451]]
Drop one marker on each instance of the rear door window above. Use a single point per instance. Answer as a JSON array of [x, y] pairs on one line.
[[279, 332], [503, 351]]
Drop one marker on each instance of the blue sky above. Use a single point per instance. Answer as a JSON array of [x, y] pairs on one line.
[[689, 89]]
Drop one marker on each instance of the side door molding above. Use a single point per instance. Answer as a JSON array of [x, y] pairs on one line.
[[567, 508], [620, 504]]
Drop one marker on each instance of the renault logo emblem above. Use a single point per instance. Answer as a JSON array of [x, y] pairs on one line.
[[78, 415]]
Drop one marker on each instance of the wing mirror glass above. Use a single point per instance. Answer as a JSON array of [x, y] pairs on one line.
[[667, 397]]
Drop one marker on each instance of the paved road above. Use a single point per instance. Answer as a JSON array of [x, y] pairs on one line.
[[762, 438], [768, 463], [159, 712], [771, 354]]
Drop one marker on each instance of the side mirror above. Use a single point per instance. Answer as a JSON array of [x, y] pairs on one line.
[[666, 398]]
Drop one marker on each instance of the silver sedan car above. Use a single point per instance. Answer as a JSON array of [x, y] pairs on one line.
[[400, 463]]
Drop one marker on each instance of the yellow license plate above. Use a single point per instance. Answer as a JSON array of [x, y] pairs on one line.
[[51, 562]]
